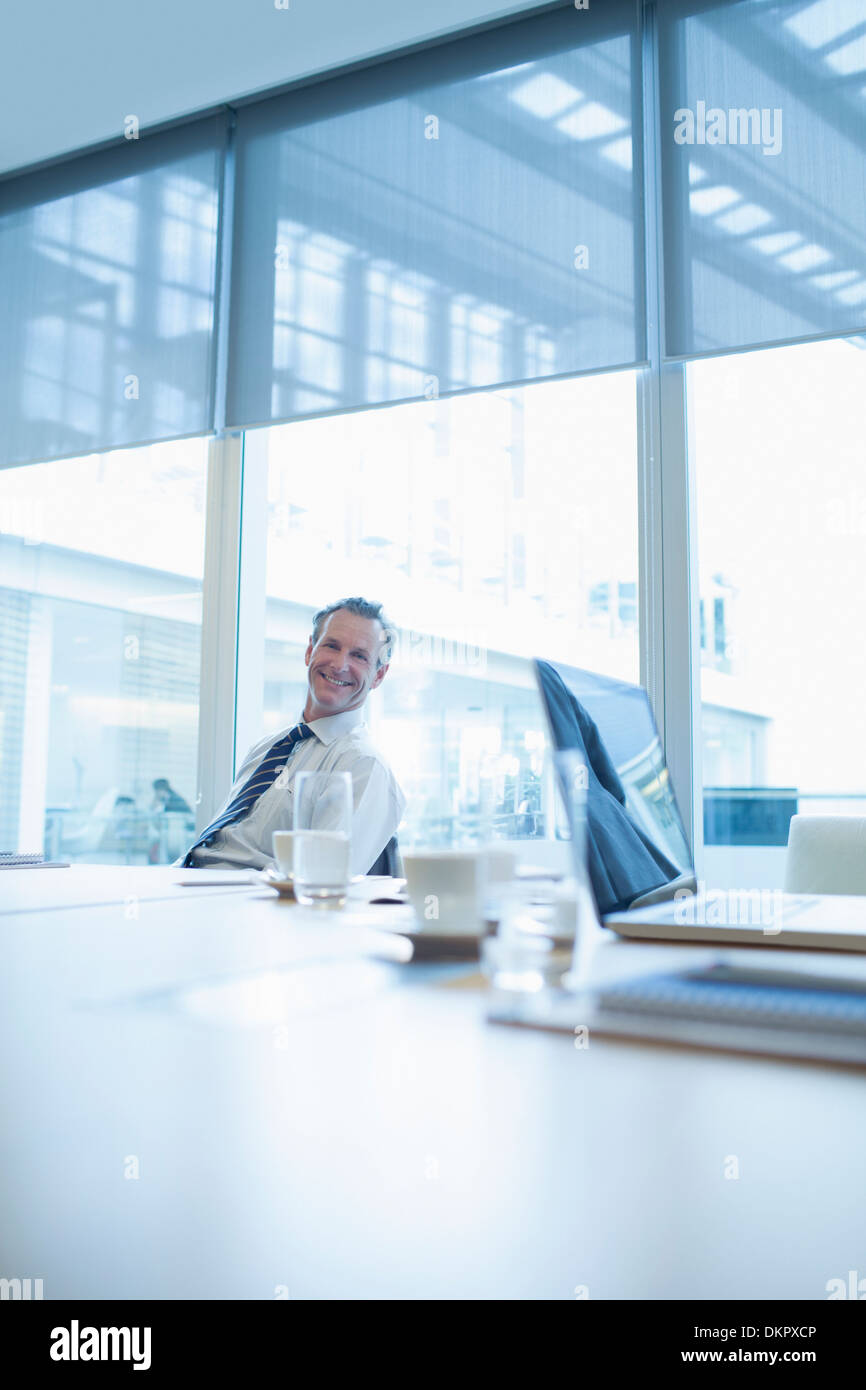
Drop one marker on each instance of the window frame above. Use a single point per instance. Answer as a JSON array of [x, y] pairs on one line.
[[232, 659], [668, 613]]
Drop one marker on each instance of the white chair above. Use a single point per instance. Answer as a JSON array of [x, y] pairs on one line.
[[826, 854]]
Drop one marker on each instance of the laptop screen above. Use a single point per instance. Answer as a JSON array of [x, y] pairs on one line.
[[635, 841]]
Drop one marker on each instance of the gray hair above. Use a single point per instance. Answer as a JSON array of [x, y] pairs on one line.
[[362, 608]]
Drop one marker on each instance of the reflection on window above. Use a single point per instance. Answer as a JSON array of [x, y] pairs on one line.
[[100, 597], [765, 219], [334, 291], [410, 259], [111, 343]]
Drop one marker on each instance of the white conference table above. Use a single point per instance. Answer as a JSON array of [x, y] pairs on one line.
[[310, 1116], [96, 885]]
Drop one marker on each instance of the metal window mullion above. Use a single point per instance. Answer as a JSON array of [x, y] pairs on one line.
[[223, 515], [682, 720], [223, 277], [252, 596], [668, 569], [219, 627]]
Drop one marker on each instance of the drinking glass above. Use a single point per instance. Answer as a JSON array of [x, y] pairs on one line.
[[322, 838], [533, 944]]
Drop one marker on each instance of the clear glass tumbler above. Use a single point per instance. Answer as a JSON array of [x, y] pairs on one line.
[[322, 841], [533, 942]]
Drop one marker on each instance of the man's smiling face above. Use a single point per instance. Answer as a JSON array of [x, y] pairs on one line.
[[343, 665]]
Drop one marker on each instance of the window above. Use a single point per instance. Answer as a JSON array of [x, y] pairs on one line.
[[781, 496], [494, 527], [108, 282], [433, 388], [100, 595], [764, 171], [388, 244]]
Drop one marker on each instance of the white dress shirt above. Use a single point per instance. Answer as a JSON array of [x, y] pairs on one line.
[[339, 743]]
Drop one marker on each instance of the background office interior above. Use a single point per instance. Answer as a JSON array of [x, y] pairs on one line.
[[461, 329]]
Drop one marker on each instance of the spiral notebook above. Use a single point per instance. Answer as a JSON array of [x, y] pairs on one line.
[[11, 860], [808, 1012]]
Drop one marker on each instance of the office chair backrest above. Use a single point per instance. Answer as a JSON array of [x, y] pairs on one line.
[[826, 854], [389, 860]]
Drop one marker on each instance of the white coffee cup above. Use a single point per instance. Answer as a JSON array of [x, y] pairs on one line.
[[284, 851], [499, 863], [442, 885], [497, 866]]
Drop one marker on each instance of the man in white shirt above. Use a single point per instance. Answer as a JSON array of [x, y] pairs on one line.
[[347, 656]]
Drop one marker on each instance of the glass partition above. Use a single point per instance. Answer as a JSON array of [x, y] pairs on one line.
[[493, 527], [100, 596], [781, 498]]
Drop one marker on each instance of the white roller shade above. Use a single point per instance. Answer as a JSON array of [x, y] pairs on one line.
[[763, 124], [107, 279], [462, 217]]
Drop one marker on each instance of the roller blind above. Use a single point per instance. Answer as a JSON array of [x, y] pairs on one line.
[[763, 119], [461, 217], [107, 278]]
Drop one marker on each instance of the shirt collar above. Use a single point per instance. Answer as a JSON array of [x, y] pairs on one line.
[[333, 725]]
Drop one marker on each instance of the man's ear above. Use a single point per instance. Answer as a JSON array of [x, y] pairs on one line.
[[380, 676], [309, 652]]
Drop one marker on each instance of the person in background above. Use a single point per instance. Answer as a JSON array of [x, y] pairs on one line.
[[171, 835], [347, 656], [165, 798], [124, 823]]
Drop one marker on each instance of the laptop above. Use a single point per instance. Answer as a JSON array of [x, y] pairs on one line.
[[631, 848]]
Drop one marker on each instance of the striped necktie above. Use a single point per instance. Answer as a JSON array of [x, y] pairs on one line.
[[264, 776]]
